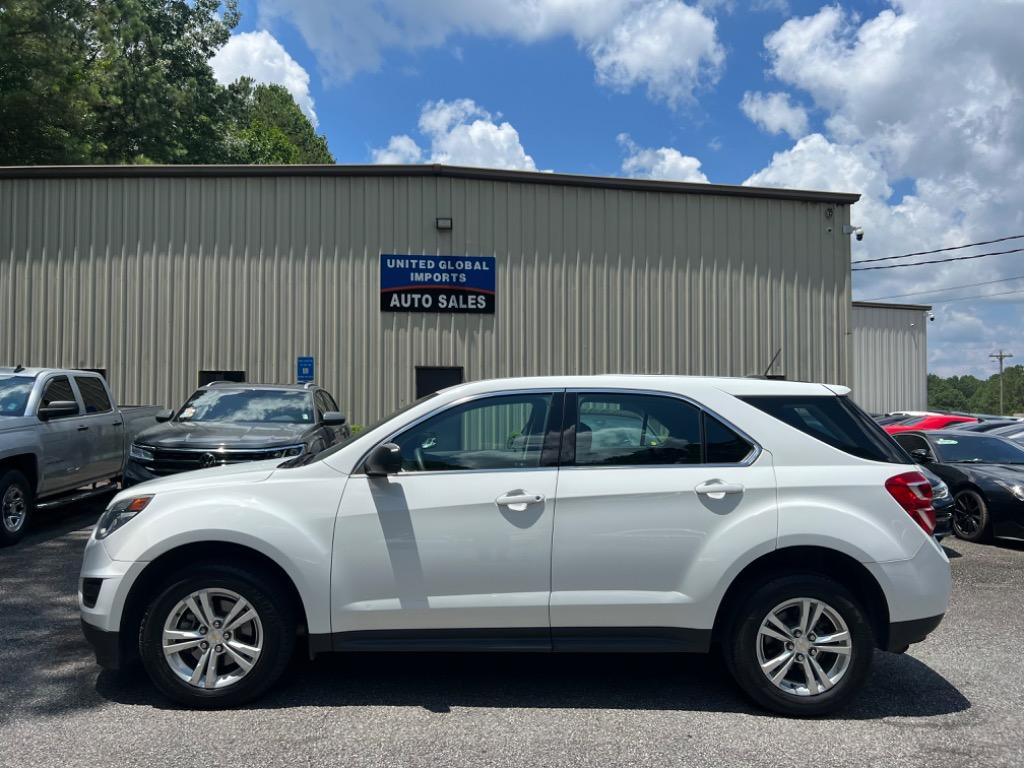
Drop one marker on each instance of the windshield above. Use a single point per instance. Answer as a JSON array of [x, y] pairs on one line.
[[14, 392], [270, 406], [977, 449]]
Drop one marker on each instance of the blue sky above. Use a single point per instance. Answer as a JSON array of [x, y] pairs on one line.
[[916, 104]]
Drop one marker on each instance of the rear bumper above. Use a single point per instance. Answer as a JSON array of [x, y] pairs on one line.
[[904, 633], [943, 522], [105, 645]]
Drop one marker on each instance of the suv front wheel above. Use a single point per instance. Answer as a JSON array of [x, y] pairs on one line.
[[800, 645], [217, 636]]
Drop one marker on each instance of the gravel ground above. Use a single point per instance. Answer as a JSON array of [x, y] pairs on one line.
[[955, 700]]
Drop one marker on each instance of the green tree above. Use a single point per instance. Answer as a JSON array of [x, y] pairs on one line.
[[158, 99], [46, 86], [968, 393], [270, 128]]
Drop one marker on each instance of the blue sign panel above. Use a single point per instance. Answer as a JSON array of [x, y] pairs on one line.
[[437, 283], [305, 368]]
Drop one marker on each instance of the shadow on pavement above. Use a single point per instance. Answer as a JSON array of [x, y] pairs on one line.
[[899, 685]]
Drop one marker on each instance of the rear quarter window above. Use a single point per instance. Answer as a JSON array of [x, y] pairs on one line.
[[833, 420]]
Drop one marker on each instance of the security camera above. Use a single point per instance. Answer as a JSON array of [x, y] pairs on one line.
[[931, 316], [858, 232]]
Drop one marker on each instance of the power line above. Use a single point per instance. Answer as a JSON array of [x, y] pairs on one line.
[[938, 261], [941, 250], [943, 290], [977, 296]]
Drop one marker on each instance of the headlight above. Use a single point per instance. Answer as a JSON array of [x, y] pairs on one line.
[[1017, 489], [119, 513], [289, 450], [140, 453], [940, 491]]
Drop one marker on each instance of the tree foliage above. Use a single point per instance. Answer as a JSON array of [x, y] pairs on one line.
[[129, 81], [968, 393]]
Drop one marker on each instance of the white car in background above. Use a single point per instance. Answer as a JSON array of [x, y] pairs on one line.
[[607, 513]]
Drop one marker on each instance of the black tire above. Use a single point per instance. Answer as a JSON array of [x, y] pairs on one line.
[[740, 646], [276, 613], [971, 519], [15, 489]]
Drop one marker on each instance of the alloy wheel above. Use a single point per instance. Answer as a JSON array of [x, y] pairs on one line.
[[14, 508], [967, 514], [212, 638], [804, 646]]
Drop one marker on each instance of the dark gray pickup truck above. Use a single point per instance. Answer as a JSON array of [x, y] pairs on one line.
[[62, 438]]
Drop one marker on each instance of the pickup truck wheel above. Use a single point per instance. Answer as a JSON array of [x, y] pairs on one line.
[[217, 636], [800, 645], [16, 505]]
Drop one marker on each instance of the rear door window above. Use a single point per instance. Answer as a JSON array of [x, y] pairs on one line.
[[618, 429], [833, 420], [94, 394]]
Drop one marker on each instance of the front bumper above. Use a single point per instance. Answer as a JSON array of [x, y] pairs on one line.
[[905, 633], [105, 645], [135, 473], [943, 521]]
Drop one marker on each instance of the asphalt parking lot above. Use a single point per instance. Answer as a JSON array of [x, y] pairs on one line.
[[956, 700]]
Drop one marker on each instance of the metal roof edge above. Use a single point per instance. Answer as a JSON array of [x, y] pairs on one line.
[[886, 305], [447, 171]]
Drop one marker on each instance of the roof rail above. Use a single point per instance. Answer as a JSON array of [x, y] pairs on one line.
[[222, 383]]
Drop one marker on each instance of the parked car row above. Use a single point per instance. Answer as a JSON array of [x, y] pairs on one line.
[[978, 457], [63, 438]]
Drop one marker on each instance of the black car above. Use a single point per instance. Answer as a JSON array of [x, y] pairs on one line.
[[985, 474], [228, 423], [942, 503]]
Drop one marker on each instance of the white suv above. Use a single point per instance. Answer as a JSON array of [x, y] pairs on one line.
[[771, 519]]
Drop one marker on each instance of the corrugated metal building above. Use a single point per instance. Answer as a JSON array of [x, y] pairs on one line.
[[161, 276], [890, 356]]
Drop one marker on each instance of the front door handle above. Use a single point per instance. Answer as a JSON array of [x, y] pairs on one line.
[[518, 501], [716, 489], [83, 428]]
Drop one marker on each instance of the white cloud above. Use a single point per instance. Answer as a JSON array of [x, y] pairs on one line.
[[460, 132], [926, 95], [661, 163], [260, 56], [401, 150], [775, 113], [666, 46]]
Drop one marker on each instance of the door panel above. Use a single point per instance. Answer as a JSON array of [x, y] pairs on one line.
[[645, 528], [461, 537], [103, 442], [435, 550], [63, 441]]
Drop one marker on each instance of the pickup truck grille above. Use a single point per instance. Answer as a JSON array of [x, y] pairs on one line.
[[170, 461]]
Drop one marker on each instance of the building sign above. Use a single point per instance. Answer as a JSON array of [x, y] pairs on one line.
[[437, 283], [304, 369]]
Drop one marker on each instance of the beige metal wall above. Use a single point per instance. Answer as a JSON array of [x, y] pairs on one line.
[[890, 357], [156, 278]]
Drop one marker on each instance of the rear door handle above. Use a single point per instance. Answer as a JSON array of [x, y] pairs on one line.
[[518, 500], [718, 488], [82, 428]]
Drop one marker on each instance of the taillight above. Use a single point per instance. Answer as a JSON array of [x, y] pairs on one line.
[[913, 492]]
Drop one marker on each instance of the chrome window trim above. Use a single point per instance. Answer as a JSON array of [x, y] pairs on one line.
[[748, 460]]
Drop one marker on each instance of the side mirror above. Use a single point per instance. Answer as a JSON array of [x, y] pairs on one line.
[[385, 459], [57, 409], [921, 456], [334, 419], [165, 415]]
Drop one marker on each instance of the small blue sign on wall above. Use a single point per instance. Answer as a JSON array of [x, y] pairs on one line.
[[305, 368], [414, 283]]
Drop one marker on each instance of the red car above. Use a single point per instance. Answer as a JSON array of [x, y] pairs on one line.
[[926, 422]]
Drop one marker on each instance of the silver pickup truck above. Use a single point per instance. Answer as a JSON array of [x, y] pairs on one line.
[[62, 439]]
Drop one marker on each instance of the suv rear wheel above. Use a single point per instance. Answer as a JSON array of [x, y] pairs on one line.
[[217, 636], [16, 503], [800, 645]]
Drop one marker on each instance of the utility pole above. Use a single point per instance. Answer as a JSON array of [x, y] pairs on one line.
[[1000, 356]]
